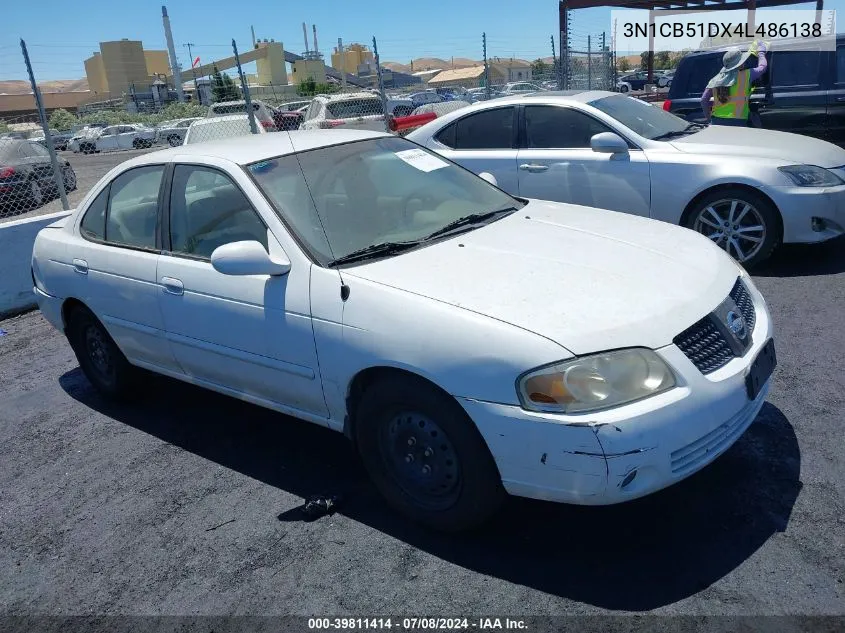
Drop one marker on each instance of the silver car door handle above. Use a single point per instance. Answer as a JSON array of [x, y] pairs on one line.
[[840, 98], [533, 167], [80, 266], [173, 286]]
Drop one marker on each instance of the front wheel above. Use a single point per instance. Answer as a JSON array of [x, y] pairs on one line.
[[742, 222], [425, 455], [623, 88], [101, 360], [70, 178], [174, 140]]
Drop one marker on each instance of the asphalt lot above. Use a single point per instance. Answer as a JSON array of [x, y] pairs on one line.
[[186, 503], [89, 169]]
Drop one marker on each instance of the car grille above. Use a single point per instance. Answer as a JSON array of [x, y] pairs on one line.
[[707, 344]]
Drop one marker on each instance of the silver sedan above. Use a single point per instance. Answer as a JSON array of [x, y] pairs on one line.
[[748, 190]]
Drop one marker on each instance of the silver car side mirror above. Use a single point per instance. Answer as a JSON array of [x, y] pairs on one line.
[[608, 143], [248, 258], [486, 175]]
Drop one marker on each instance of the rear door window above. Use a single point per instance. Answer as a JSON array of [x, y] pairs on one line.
[[795, 68], [488, 129], [352, 108], [699, 70]]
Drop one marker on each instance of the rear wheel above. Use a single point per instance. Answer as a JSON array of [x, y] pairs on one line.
[[425, 455], [624, 88], [87, 148], [742, 222], [70, 178], [101, 361], [174, 140]]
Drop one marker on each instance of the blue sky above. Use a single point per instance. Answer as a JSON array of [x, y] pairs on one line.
[[61, 34]]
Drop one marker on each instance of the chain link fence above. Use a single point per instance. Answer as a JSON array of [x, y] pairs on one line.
[[43, 154]]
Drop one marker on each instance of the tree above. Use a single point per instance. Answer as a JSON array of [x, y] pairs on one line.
[[644, 60], [62, 120], [307, 87], [223, 87], [624, 65], [662, 60], [539, 68]]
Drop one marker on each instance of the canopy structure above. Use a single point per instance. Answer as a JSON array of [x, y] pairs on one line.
[[663, 7]]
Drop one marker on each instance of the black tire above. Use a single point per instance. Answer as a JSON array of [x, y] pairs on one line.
[[87, 148], [100, 359], [136, 143], [35, 194], [70, 178], [767, 216], [462, 487], [174, 140]]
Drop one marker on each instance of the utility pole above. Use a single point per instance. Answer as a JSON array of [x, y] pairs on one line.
[[194, 72], [563, 23], [613, 59], [174, 63], [380, 84], [342, 64], [554, 59], [486, 67], [589, 63], [604, 56], [58, 176], [245, 87]]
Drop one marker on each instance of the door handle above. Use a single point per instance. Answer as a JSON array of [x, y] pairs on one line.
[[173, 286], [533, 167], [80, 266], [840, 98]]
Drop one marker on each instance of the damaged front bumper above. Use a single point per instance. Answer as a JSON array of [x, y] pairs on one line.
[[620, 454]]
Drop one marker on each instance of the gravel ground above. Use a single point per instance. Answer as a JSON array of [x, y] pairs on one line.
[[186, 503], [89, 169]]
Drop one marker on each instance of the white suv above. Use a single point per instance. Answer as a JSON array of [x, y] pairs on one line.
[[359, 110], [263, 112]]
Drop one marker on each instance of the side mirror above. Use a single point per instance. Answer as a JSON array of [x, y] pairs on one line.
[[247, 258], [608, 143], [486, 175]]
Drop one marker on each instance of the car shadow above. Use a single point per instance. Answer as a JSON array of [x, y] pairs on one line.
[[635, 557], [801, 260]]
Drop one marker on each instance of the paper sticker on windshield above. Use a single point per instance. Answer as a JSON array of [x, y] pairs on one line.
[[421, 160]]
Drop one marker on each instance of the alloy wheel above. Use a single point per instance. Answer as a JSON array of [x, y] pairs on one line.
[[421, 459], [734, 225]]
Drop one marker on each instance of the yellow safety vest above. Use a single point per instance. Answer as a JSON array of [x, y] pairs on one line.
[[736, 107]]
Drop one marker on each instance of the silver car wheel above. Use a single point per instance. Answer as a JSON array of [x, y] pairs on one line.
[[734, 225]]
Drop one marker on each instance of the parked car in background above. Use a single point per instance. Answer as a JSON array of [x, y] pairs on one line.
[[358, 110], [356, 281], [480, 94], [173, 132], [293, 106], [425, 96], [113, 138], [288, 119], [802, 91], [747, 190], [519, 87], [26, 175], [664, 79], [263, 112], [633, 81], [219, 127]]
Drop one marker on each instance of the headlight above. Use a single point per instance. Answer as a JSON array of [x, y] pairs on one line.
[[811, 176], [595, 382]]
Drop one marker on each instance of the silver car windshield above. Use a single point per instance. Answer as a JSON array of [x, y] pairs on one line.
[[640, 117], [341, 199]]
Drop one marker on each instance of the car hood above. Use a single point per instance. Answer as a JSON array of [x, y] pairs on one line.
[[756, 143], [586, 278]]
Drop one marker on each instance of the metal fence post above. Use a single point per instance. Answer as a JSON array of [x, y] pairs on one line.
[[605, 69], [45, 125], [486, 66], [589, 63], [343, 64], [250, 114], [380, 85]]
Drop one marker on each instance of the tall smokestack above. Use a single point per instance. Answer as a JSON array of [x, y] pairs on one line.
[[305, 35], [252, 28], [174, 63], [316, 50]]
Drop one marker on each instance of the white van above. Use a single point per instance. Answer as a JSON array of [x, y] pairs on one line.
[[217, 127]]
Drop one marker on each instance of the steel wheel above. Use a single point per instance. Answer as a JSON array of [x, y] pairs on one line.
[[421, 459], [99, 353], [737, 226]]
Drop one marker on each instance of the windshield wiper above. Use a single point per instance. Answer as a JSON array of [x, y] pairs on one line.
[[373, 251], [474, 219], [692, 127]]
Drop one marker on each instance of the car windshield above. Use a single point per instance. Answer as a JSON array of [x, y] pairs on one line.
[[642, 118], [341, 199]]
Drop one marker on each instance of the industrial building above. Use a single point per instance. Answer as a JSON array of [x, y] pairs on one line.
[[122, 67]]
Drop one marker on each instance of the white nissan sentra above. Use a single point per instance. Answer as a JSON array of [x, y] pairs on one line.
[[470, 343]]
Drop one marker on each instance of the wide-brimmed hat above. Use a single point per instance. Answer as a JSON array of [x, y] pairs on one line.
[[732, 61]]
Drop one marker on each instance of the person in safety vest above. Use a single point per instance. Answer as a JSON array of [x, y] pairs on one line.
[[731, 88]]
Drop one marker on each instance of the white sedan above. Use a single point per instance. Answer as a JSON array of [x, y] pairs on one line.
[[747, 189], [468, 342]]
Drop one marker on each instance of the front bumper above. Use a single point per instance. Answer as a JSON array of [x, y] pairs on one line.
[[800, 205], [589, 459]]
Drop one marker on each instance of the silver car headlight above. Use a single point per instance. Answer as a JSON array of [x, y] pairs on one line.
[[811, 176], [599, 381]]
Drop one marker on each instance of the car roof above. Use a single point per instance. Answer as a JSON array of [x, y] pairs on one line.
[[344, 96], [255, 147], [792, 43], [555, 96]]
